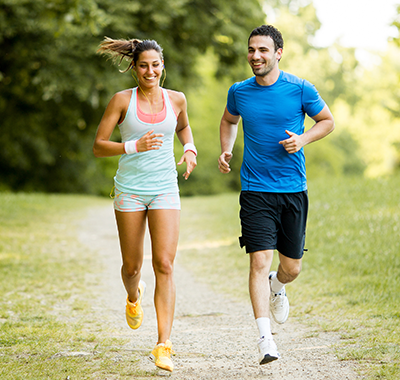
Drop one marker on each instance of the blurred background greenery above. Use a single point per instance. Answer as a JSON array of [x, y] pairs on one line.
[[54, 87]]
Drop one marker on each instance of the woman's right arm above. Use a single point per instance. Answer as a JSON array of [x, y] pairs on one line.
[[114, 112]]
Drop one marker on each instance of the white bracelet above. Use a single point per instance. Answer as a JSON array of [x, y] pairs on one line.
[[191, 147], [130, 147]]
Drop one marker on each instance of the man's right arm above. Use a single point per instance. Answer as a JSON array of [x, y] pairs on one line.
[[228, 132]]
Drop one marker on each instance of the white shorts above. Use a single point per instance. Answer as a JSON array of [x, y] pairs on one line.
[[126, 202]]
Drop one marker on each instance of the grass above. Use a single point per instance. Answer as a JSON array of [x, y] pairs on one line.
[[351, 274], [45, 305], [350, 281]]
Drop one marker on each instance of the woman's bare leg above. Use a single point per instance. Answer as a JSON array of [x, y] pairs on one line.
[[164, 232], [131, 230]]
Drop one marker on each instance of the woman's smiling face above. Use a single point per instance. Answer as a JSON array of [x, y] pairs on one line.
[[149, 68]]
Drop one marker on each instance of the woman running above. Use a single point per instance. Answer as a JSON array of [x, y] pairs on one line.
[[146, 180]]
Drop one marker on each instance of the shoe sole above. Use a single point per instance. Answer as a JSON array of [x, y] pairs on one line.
[[281, 322], [270, 307], [144, 287], [268, 359], [152, 359], [135, 327]]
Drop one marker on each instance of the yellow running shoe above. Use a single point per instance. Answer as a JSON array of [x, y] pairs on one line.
[[161, 355], [134, 311]]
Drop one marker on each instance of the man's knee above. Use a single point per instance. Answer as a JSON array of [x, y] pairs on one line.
[[294, 271], [289, 270], [260, 261]]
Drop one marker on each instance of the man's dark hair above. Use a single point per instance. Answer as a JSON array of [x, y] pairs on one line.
[[269, 30]]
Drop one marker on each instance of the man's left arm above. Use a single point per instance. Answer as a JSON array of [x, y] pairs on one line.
[[324, 124]]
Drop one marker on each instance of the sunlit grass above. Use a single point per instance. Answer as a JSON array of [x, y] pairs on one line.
[[47, 330], [351, 273], [350, 281]]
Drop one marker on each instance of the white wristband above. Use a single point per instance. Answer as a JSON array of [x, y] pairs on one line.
[[191, 147], [130, 147]]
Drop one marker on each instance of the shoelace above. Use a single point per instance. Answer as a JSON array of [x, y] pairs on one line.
[[133, 309], [167, 350], [277, 299]]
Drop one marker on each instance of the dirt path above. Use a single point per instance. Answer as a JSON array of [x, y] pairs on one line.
[[214, 337]]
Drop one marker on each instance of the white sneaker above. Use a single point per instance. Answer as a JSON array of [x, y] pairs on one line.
[[278, 304], [268, 350]]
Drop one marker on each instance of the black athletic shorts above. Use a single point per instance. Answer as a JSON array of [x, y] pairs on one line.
[[274, 221]]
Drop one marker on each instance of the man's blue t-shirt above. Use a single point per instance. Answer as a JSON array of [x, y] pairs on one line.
[[267, 111]]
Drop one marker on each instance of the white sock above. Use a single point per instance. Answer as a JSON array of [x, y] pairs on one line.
[[276, 285], [264, 327]]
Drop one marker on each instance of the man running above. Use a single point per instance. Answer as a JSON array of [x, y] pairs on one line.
[[273, 200]]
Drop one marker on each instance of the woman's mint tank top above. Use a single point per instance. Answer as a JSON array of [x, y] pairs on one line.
[[152, 172]]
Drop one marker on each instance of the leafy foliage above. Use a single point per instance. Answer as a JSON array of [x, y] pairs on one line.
[[54, 88], [335, 155]]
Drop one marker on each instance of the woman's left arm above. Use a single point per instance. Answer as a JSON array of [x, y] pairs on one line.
[[184, 132]]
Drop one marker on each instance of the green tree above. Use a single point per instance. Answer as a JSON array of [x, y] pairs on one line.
[[54, 88], [334, 72], [336, 155]]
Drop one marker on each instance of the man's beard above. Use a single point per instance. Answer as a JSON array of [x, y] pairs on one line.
[[262, 72]]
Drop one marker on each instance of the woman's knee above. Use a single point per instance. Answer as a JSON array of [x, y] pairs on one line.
[[163, 266], [131, 270]]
